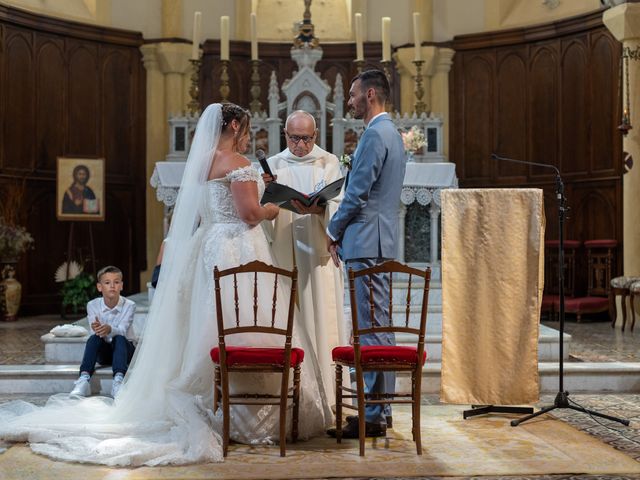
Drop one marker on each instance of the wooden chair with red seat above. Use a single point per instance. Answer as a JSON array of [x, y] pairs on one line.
[[551, 297], [384, 358], [231, 359], [600, 258]]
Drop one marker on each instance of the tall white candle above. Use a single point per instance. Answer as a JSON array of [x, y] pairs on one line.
[[254, 37], [386, 39], [195, 45], [359, 46], [417, 43], [224, 38]]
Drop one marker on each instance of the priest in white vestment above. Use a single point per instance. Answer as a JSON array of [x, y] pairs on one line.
[[299, 239]]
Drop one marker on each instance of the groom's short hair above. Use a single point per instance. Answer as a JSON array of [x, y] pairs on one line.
[[375, 79]]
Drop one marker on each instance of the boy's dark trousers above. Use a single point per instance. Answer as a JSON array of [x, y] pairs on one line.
[[118, 354]]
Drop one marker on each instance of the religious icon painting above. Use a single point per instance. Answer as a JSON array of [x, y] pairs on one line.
[[80, 189]]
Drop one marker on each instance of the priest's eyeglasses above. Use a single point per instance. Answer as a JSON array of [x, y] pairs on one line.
[[296, 138]]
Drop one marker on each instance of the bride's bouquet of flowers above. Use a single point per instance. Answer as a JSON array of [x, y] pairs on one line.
[[413, 139]]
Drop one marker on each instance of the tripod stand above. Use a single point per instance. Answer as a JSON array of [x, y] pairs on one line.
[[562, 397]]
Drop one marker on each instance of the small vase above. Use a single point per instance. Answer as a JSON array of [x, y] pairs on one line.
[[410, 154], [11, 294]]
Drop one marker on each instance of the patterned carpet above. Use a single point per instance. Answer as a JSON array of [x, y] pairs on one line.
[[452, 447]]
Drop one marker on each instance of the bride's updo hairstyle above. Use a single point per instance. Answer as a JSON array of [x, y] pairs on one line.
[[230, 112]]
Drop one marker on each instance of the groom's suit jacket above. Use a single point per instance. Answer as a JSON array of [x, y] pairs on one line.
[[366, 223]]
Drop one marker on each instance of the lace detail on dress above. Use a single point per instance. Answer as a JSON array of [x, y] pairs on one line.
[[218, 206], [244, 174]]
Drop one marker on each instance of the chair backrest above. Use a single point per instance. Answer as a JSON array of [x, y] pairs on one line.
[[551, 267], [601, 266], [404, 324], [250, 314]]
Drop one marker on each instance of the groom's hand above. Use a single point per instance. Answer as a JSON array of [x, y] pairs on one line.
[[332, 248]]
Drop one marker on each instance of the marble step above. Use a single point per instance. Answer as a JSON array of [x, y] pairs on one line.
[[587, 377]]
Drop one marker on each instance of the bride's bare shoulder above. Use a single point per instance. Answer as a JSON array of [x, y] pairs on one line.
[[225, 162]]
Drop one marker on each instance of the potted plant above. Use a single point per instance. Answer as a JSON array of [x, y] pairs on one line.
[[78, 288]]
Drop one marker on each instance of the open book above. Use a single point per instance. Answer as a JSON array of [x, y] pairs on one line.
[[282, 195]]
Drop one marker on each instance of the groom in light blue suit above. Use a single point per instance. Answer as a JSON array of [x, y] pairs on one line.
[[365, 227]]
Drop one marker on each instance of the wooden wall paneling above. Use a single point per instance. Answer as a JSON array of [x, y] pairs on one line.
[[575, 107], [3, 81], [50, 92], [68, 89], [543, 108], [511, 114], [117, 112], [478, 117], [20, 101], [84, 98], [604, 82]]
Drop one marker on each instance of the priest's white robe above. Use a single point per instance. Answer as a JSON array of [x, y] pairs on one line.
[[301, 240]]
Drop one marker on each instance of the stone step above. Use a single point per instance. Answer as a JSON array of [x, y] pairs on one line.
[[587, 377]]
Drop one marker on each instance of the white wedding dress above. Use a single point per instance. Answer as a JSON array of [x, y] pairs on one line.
[[163, 414]]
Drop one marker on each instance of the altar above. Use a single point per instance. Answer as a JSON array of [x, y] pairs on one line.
[[419, 211]]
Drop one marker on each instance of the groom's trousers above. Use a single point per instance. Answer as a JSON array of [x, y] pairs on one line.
[[374, 382]]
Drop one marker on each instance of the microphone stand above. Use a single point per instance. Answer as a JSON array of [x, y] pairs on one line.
[[562, 397]]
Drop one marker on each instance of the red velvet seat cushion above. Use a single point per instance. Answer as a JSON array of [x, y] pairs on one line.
[[585, 304], [602, 243], [568, 244], [257, 356], [378, 354], [548, 301]]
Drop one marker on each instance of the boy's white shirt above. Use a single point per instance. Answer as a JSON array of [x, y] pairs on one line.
[[118, 317]]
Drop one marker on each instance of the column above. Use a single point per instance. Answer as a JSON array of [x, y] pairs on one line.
[[156, 144], [440, 92], [174, 63], [434, 214], [402, 214], [404, 62], [624, 23]]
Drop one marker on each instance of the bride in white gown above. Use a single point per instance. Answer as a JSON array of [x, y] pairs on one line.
[[162, 414]]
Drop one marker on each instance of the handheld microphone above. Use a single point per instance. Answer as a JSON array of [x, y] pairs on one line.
[[263, 162]]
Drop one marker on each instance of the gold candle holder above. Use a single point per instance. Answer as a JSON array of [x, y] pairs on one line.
[[224, 81], [255, 104], [419, 106], [194, 90], [386, 68], [359, 65]]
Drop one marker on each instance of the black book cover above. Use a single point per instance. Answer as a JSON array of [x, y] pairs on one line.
[[282, 195]]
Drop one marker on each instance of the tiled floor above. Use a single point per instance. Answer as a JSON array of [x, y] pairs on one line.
[[591, 341]]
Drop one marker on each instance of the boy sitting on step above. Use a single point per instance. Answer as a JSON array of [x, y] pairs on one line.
[[109, 316]]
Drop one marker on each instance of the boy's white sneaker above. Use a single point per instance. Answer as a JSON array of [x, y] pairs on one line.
[[81, 388], [116, 384]]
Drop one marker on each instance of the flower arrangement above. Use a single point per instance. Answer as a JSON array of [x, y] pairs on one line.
[[345, 161], [14, 241], [413, 139]]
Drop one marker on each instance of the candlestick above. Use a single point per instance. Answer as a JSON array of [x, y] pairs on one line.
[[195, 44], [224, 38], [254, 37], [419, 106], [417, 42], [194, 90], [224, 81], [359, 46], [255, 104], [386, 39]]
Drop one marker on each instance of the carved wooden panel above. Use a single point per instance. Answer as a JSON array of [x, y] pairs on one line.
[[68, 89], [546, 94]]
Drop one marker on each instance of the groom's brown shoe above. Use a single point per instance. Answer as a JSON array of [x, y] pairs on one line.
[[350, 430]]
